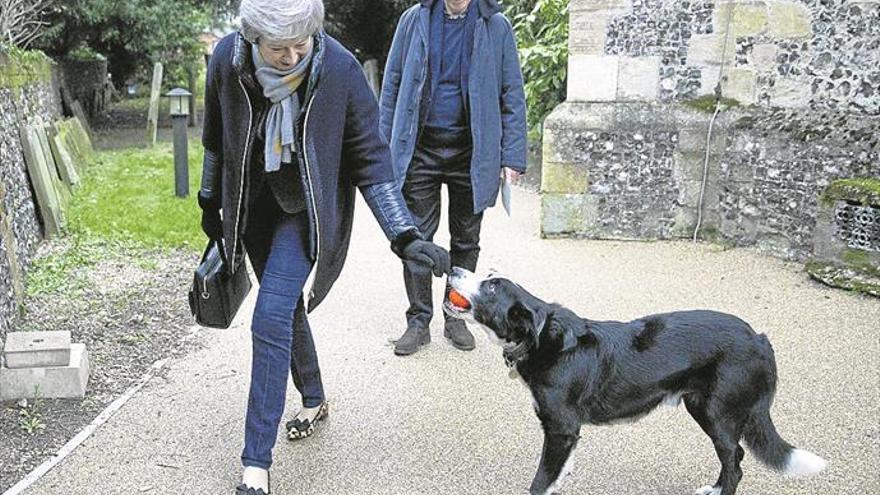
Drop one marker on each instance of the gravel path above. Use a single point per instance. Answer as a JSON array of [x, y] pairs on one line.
[[444, 421]]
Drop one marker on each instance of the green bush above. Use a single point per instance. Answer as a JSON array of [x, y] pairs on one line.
[[542, 37]]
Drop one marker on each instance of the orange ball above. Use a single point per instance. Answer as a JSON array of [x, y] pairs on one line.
[[458, 300]]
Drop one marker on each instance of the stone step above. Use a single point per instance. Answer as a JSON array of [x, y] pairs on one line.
[[37, 349], [49, 382]]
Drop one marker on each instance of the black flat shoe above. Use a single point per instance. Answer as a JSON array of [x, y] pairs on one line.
[[246, 490], [298, 429]]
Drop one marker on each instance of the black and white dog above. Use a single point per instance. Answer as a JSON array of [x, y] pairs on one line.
[[601, 372]]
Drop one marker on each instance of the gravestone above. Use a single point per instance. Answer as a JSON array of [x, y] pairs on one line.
[[63, 158], [371, 69], [153, 115], [80, 115], [44, 186], [61, 188]]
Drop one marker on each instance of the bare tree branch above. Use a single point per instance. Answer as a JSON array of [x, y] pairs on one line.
[[21, 21]]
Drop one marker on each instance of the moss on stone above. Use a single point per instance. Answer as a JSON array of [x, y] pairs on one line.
[[864, 190], [706, 103], [860, 260], [844, 278], [20, 68]]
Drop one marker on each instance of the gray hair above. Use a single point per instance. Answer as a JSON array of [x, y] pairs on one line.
[[280, 20]]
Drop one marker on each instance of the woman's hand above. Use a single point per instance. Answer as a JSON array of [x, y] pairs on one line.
[[212, 224], [429, 255]]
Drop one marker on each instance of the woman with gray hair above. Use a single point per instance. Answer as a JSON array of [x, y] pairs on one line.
[[290, 130]]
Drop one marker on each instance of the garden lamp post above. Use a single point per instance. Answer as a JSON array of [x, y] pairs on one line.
[[180, 99]]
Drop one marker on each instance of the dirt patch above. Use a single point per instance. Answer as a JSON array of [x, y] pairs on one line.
[[130, 310]]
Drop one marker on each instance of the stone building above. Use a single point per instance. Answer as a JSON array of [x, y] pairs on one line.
[[629, 155]]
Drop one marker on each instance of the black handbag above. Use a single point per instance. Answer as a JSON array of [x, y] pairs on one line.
[[217, 292]]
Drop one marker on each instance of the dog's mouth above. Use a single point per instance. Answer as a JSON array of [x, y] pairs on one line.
[[457, 302]]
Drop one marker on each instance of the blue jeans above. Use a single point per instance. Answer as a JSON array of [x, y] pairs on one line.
[[277, 244]]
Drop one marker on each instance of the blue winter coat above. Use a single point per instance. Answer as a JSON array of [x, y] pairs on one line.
[[495, 95], [340, 147]]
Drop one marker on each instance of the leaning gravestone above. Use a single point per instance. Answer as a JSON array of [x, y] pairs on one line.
[[153, 115], [43, 364], [44, 186], [80, 114], [63, 159], [61, 188]]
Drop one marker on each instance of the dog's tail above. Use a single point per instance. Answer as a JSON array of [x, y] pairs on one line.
[[765, 442]]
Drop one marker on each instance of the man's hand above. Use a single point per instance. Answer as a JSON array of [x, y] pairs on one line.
[[510, 175], [428, 254]]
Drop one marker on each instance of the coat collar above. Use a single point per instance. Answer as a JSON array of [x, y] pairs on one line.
[[487, 8]]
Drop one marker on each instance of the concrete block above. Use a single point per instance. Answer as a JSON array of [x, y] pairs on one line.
[[741, 85], [639, 78], [790, 19], [565, 178], [592, 77], [53, 382], [568, 214], [35, 349], [791, 92]]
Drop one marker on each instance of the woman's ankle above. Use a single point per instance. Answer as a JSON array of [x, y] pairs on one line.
[[257, 478]]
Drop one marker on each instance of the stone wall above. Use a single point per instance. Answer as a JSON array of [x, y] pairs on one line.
[[27, 95], [624, 156]]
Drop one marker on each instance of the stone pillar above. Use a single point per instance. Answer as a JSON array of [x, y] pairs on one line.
[[626, 154], [621, 160]]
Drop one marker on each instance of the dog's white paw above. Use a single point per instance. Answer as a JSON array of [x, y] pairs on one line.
[[708, 490]]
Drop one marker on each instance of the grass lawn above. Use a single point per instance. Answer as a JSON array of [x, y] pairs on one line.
[[125, 205], [128, 196]]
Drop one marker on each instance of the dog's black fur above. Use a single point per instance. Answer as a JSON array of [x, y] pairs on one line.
[[598, 372]]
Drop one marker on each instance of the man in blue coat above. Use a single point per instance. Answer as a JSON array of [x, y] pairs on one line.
[[453, 111]]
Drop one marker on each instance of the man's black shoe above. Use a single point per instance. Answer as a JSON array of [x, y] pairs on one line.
[[457, 332], [411, 340]]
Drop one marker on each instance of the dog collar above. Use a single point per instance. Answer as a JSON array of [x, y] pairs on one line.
[[517, 355]]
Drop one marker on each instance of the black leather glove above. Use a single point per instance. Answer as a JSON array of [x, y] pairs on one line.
[[212, 224], [428, 254]]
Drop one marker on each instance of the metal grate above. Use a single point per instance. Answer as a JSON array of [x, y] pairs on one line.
[[859, 226]]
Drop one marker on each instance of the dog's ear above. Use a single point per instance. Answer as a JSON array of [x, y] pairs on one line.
[[530, 319]]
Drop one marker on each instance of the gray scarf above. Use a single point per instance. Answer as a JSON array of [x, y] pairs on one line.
[[280, 88]]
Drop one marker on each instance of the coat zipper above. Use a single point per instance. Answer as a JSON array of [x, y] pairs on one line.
[[310, 281], [247, 144]]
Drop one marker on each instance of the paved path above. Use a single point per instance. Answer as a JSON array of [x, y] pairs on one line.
[[444, 421]]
